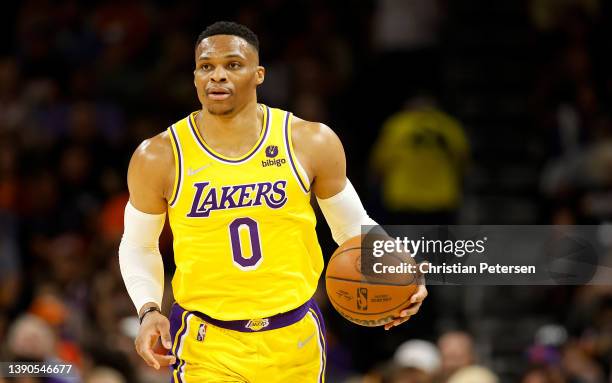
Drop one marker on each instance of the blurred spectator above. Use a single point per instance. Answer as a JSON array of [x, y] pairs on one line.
[[410, 375], [420, 355], [104, 375], [580, 366], [473, 374], [405, 34], [12, 109], [9, 177], [48, 306], [420, 158], [543, 375], [549, 339], [548, 14], [10, 263], [456, 351], [406, 25], [581, 184], [31, 339]]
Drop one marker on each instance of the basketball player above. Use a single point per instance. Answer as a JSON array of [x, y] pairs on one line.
[[235, 180]]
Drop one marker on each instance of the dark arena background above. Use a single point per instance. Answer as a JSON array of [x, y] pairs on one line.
[[509, 108]]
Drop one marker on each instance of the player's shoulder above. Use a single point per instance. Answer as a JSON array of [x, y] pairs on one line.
[[155, 149], [312, 133], [151, 173], [316, 145], [153, 159]]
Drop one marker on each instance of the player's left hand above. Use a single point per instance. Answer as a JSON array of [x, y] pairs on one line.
[[415, 304]]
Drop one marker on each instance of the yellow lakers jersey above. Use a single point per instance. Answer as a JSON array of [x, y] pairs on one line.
[[244, 230]]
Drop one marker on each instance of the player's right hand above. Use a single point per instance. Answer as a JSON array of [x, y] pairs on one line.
[[154, 326]]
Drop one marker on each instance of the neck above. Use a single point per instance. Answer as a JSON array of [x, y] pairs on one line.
[[242, 127], [237, 124]]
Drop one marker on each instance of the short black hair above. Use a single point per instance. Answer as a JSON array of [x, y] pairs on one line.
[[230, 28]]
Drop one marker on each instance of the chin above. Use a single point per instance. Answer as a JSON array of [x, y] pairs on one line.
[[220, 110]]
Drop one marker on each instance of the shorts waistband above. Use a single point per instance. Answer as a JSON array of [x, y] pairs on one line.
[[261, 324]]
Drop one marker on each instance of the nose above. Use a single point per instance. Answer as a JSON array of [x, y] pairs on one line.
[[219, 74]]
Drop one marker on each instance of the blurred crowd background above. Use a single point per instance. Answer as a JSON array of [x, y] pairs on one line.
[[467, 112]]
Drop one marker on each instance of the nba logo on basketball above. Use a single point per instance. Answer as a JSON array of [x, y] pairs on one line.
[[362, 298], [271, 151], [201, 332]]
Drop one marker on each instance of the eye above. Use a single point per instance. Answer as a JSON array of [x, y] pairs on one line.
[[206, 67], [234, 65]]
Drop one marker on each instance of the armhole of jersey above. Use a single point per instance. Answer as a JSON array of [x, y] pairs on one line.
[[178, 166], [296, 168]]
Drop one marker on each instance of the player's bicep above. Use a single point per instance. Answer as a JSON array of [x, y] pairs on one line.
[[148, 177], [330, 163]]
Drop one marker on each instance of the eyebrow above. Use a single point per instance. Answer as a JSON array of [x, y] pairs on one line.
[[231, 55]]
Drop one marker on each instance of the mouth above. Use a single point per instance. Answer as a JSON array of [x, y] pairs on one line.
[[218, 93]]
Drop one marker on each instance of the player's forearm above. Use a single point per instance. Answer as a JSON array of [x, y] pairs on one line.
[[140, 261], [345, 214], [143, 274]]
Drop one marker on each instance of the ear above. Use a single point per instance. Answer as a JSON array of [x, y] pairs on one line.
[[260, 75]]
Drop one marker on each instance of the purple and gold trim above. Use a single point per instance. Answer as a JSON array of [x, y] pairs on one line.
[[178, 368], [291, 155], [228, 160], [178, 158], [316, 314], [263, 324]]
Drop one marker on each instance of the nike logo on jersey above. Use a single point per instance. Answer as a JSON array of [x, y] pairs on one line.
[[191, 172], [208, 199], [302, 343]]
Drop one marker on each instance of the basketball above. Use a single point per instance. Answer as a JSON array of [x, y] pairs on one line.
[[360, 294]]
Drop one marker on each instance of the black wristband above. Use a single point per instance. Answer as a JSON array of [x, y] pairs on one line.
[[150, 309]]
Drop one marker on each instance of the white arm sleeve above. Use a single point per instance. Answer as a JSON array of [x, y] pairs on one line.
[[345, 214], [140, 261]]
